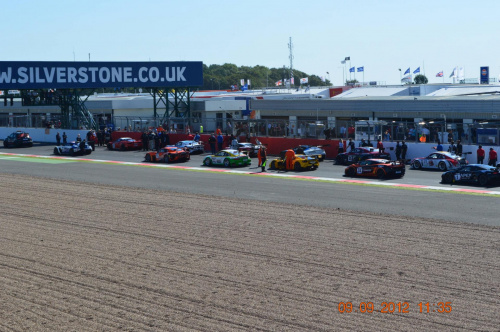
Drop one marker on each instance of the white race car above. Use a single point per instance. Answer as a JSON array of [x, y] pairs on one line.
[[192, 146], [439, 160]]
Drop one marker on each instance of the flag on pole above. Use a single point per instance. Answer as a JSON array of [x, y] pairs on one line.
[[242, 82], [351, 70], [461, 74], [361, 69], [416, 70], [304, 80], [440, 74], [454, 72], [292, 81], [406, 79], [278, 83], [248, 82], [407, 71]]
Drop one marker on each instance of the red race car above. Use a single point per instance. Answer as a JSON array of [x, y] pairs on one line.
[[168, 154], [380, 168], [125, 143]]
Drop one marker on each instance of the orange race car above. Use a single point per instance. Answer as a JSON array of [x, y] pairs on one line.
[[168, 154]]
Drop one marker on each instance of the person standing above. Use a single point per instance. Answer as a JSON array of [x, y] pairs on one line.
[[65, 138], [289, 158], [220, 140], [144, 139], [459, 148], [211, 141], [262, 158], [492, 158], [341, 147], [350, 145], [480, 154], [58, 138], [78, 138], [380, 145], [398, 151], [439, 147], [404, 149]]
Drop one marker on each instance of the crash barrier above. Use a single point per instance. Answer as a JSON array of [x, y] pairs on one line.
[[274, 145]]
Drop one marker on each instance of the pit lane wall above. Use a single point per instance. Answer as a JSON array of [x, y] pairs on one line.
[[274, 144]]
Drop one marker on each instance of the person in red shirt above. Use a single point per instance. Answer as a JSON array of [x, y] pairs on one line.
[[480, 155], [380, 145], [492, 160]]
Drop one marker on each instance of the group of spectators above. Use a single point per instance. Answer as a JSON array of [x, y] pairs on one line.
[[154, 139]]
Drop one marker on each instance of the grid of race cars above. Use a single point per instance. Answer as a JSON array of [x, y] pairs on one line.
[[360, 162]]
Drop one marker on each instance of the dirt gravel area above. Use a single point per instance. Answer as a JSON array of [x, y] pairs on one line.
[[81, 257]]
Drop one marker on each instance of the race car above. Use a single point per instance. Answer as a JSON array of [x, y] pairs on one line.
[[191, 146], [125, 143], [73, 149], [301, 162], [168, 154], [439, 160], [228, 158], [361, 153], [309, 150], [251, 149], [380, 168], [473, 173], [18, 139]]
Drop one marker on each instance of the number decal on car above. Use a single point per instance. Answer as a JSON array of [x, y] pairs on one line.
[[457, 176], [359, 170]]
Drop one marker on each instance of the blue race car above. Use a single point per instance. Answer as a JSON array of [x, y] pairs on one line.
[[313, 151], [473, 173], [73, 149]]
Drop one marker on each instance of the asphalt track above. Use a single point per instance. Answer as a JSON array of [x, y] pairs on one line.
[[380, 197]]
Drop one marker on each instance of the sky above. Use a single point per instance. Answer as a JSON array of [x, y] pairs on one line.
[[383, 36]]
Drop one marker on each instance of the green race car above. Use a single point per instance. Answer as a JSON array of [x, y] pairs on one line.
[[227, 158]]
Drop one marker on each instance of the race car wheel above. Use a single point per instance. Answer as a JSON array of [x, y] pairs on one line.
[[417, 164], [56, 151], [448, 178], [148, 158], [297, 167], [227, 163], [122, 147], [442, 166], [207, 162], [380, 173], [351, 172], [482, 180], [5, 145], [273, 165]]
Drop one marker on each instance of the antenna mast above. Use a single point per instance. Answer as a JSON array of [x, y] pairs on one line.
[[290, 47]]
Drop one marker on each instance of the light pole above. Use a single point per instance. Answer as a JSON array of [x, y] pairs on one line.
[[212, 81], [400, 77], [328, 73]]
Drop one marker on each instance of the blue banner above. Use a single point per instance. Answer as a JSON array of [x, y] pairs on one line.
[[69, 75], [484, 75]]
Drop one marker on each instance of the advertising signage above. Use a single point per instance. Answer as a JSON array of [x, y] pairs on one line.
[[484, 75], [69, 75]]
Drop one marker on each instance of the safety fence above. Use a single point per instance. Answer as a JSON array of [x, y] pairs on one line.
[[426, 130]]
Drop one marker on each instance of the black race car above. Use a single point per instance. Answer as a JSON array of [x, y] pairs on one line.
[[361, 153], [18, 139], [473, 173]]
